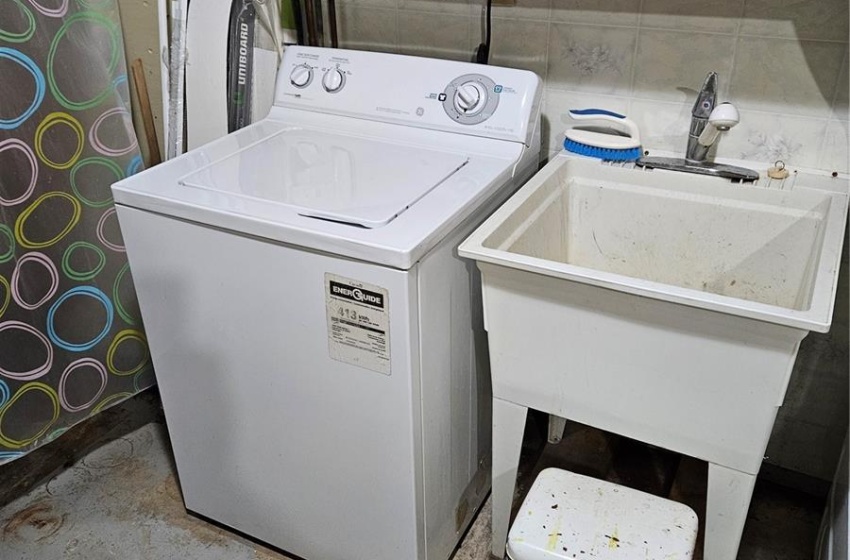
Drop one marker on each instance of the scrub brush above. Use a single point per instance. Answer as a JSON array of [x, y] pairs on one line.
[[618, 139]]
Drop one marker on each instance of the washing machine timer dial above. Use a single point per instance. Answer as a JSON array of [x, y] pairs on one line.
[[333, 80], [471, 99], [301, 76]]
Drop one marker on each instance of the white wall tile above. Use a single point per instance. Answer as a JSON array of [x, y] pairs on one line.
[[434, 35], [524, 9], [719, 16], [590, 58], [599, 12], [672, 65], [781, 75], [663, 126], [369, 29], [767, 137], [835, 155], [814, 19], [557, 103], [459, 7], [520, 44], [370, 3], [841, 106]]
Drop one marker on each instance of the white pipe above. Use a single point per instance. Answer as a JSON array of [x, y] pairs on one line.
[[162, 21]]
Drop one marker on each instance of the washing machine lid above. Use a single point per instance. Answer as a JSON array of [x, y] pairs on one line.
[[344, 178]]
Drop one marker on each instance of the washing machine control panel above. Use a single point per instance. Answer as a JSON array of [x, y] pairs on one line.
[[460, 97]]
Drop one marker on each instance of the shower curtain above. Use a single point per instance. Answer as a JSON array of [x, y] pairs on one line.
[[71, 338]]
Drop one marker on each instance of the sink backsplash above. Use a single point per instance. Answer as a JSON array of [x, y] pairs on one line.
[[784, 63]]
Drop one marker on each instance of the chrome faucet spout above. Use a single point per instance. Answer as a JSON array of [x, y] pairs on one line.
[[708, 120], [703, 106]]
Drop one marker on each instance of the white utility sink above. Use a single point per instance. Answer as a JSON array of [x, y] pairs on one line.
[[747, 250], [659, 305]]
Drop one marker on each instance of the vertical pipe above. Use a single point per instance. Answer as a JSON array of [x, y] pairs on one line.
[[162, 21], [332, 23], [311, 22]]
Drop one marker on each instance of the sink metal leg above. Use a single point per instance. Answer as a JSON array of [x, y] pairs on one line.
[[556, 428], [729, 494], [508, 427]]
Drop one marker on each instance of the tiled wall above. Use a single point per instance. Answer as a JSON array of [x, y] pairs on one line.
[[782, 62]]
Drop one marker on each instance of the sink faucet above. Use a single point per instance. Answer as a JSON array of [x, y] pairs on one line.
[[708, 120], [703, 106]]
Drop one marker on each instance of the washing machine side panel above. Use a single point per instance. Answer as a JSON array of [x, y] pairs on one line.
[[271, 435], [456, 395], [456, 389]]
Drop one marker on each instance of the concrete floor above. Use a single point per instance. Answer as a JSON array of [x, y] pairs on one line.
[[121, 498]]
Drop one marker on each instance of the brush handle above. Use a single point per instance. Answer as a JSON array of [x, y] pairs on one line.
[[616, 120]]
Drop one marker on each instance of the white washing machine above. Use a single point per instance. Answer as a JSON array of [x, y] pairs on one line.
[[318, 343]]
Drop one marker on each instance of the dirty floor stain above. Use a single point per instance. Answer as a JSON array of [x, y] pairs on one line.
[[122, 501]]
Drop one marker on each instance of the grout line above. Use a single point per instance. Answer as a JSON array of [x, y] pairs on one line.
[[434, 12], [507, 17], [687, 103], [832, 114], [656, 28], [785, 113], [822, 146], [548, 51], [795, 39], [633, 69], [585, 92], [841, 74], [735, 46], [687, 31], [743, 13], [544, 95], [587, 24], [396, 14]]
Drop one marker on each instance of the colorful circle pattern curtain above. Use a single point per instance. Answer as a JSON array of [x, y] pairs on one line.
[[71, 337]]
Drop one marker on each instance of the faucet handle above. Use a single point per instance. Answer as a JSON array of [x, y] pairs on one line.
[[706, 98], [722, 118]]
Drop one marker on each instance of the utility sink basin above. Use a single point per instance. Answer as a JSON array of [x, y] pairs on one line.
[[662, 306], [747, 250]]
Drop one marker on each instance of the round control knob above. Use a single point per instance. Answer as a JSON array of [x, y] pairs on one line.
[[470, 98], [333, 80], [301, 76]]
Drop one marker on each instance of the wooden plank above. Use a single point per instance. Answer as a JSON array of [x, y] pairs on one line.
[[147, 115]]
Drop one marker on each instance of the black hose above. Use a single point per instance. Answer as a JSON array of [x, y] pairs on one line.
[[483, 54], [310, 13], [299, 22], [332, 23]]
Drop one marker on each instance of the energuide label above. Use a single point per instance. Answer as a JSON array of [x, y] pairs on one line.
[[358, 323]]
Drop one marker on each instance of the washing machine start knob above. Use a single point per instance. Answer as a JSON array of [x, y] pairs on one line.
[[333, 80], [301, 76]]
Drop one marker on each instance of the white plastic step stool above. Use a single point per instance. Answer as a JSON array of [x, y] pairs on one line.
[[567, 516]]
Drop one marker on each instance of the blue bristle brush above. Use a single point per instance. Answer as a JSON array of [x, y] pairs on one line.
[[621, 142]]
